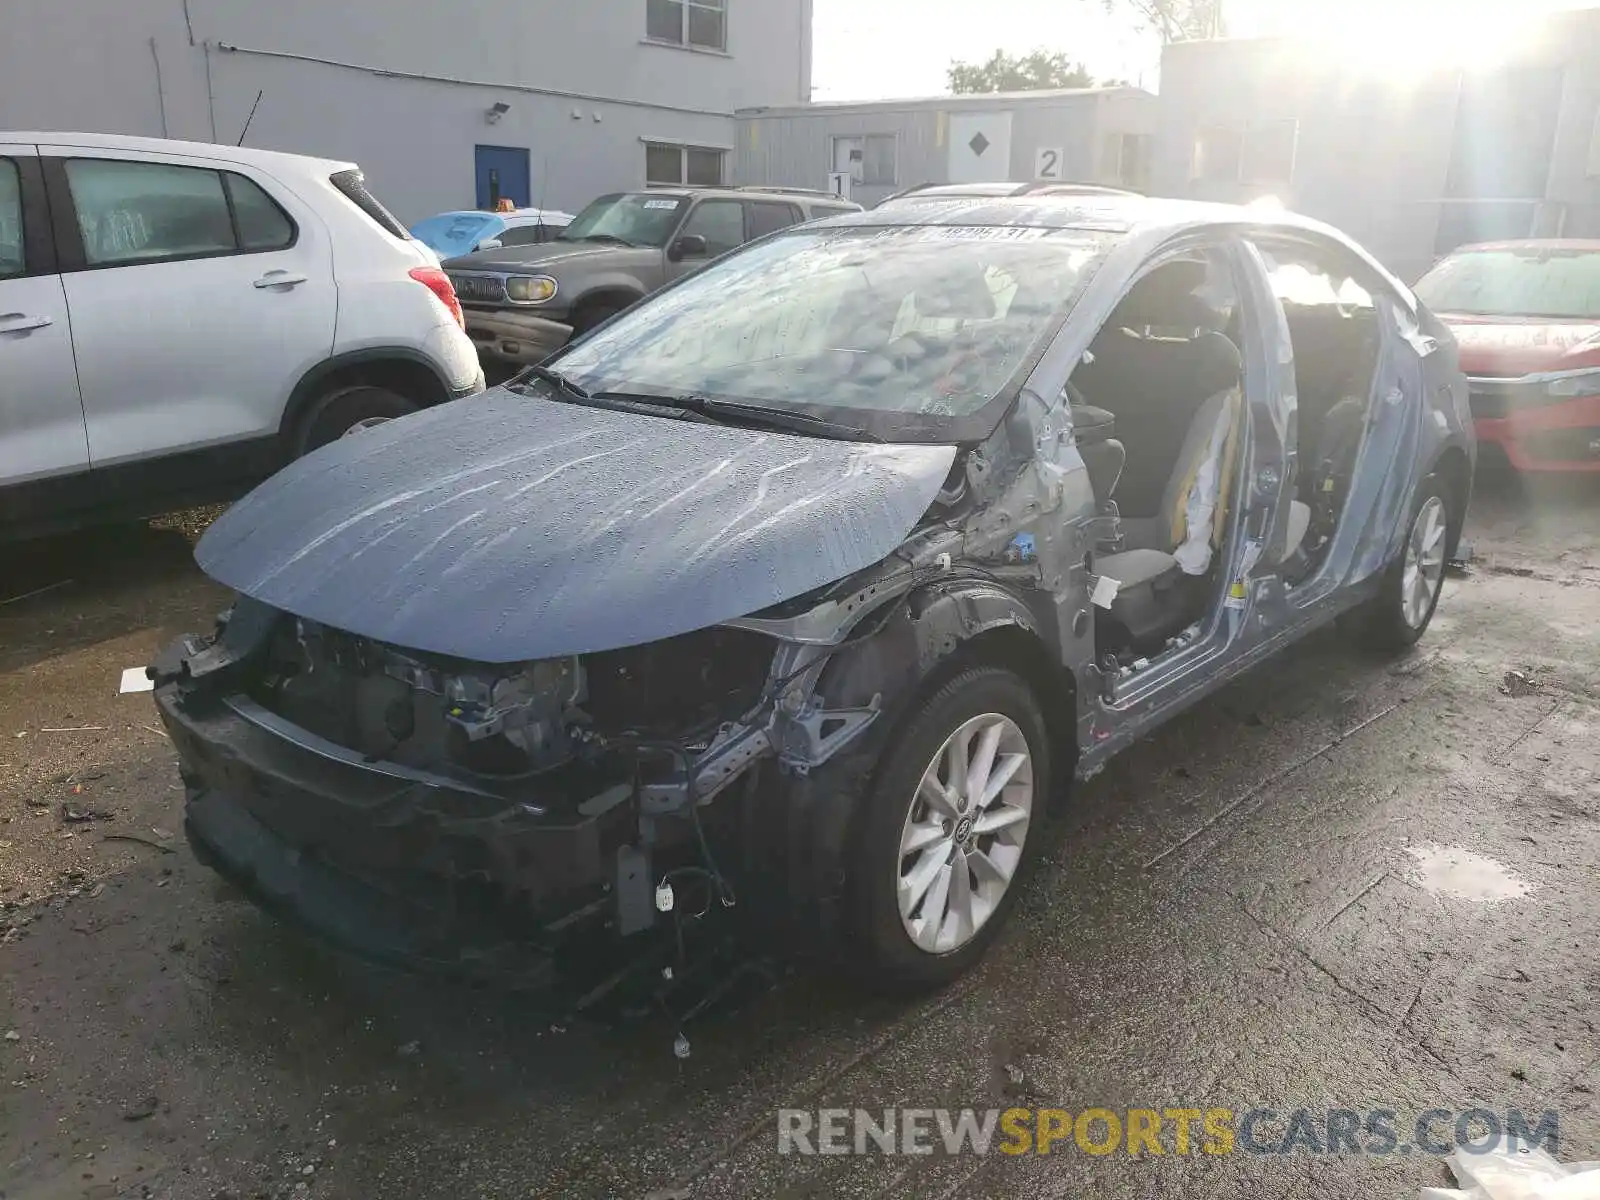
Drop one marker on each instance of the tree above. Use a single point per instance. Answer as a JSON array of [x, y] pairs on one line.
[[1174, 20], [1030, 73]]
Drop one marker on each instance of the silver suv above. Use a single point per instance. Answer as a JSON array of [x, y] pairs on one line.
[[177, 320], [524, 304]]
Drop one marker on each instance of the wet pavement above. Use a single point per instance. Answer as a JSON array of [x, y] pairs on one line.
[[1344, 882]]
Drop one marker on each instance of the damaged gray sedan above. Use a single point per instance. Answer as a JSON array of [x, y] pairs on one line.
[[800, 592]]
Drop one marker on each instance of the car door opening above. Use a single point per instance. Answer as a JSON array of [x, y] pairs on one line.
[[1168, 378]]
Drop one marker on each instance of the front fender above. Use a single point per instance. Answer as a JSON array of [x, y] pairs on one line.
[[918, 636]]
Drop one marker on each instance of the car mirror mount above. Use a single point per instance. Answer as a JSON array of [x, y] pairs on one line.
[[690, 245]]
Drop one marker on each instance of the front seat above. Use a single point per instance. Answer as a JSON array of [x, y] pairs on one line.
[[1175, 382]]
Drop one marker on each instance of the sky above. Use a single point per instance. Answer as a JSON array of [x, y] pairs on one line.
[[867, 49]]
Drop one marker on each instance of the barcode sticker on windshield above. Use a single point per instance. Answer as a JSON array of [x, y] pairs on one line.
[[661, 204]]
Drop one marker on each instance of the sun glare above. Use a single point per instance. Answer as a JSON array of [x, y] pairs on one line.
[[1402, 38]]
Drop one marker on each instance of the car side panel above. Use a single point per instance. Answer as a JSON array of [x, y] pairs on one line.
[[41, 414], [185, 353]]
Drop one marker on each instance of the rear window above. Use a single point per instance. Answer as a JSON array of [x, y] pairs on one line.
[[353, 184], [456, 233], [1562, 284]]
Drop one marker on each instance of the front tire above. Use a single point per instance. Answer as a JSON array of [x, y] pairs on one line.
[[1403, 608], [348, 410], [952, 828]]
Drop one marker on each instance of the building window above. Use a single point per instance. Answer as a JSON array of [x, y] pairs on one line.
[[679, 166], [869, 159], [1261, 153], [702, 24]]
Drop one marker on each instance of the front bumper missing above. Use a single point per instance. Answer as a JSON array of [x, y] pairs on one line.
[[390, 864]]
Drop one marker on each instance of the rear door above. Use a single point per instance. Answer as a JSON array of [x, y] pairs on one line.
[[200, 293], [768, 216], [42, 432]]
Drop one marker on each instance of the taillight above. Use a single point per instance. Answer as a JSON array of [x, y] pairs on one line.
[[437, 282]]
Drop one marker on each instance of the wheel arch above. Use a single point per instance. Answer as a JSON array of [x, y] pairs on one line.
[[921, 640], [1453, 469], [942, 629], [607, 293], [400, 369]]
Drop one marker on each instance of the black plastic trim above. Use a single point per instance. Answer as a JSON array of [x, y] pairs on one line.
[[38, 247]]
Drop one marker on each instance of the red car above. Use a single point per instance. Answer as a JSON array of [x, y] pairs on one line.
[[1527, 316]]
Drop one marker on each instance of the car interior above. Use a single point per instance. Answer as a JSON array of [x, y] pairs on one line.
[[1159, 411], [1333, 327]]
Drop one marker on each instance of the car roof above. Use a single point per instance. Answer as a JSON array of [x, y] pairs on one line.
[[934, 191], [1106, 212], [536, 215], [1591, 245], [751, 192], [1144, 223], [174, 147]]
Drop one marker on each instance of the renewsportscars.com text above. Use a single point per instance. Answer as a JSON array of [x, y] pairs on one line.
[[1149, 1132]]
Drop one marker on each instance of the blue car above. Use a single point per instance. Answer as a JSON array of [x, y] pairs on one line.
[[454, 233]]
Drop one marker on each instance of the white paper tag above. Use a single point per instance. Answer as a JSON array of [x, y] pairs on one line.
[[1105, 591], [135, 680], [656, 204], [1248, 560]]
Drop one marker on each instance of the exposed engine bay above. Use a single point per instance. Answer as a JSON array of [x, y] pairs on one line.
[[513, 721]]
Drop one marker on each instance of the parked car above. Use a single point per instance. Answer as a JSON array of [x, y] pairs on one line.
[[809, 582], [927, 192], [1527, 316], [452, 234], [523, 305], [178, 320]]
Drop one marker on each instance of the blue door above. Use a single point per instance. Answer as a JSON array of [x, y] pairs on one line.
[[502, 173]]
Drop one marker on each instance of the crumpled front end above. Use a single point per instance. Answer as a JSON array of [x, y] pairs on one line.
[[476, 820]]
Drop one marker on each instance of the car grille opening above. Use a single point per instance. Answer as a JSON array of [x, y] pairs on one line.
[[479, 289]]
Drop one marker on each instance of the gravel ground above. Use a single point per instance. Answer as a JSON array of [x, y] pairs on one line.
[[1343, 882]]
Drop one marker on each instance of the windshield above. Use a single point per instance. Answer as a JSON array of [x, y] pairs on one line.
[[908, 332], [451, 234], [1561, 284], [639, 219]]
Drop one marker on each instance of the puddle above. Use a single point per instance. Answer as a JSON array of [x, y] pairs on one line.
[[1458, 872]]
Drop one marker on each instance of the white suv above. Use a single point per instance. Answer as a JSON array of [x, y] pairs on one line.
[[177, 320]]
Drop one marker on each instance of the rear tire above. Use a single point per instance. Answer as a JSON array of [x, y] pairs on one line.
[[1403, 609], [934, 871], [348, 410]]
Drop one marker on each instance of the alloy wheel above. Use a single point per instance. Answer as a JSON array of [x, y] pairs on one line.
[[1424, 563], [963, 836]]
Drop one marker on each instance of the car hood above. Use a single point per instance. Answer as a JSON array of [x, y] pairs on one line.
[[503, 528], [1510, 347], [555, 255]]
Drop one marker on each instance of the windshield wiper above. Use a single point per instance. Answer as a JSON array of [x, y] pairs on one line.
[[600, 237], [560, 382], [787, 419], [612, 401]]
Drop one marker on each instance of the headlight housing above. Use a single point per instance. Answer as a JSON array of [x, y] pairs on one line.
[[530, 289], [1573, 383]]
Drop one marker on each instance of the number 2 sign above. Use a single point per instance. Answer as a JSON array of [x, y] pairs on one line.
[[1047, 163]]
